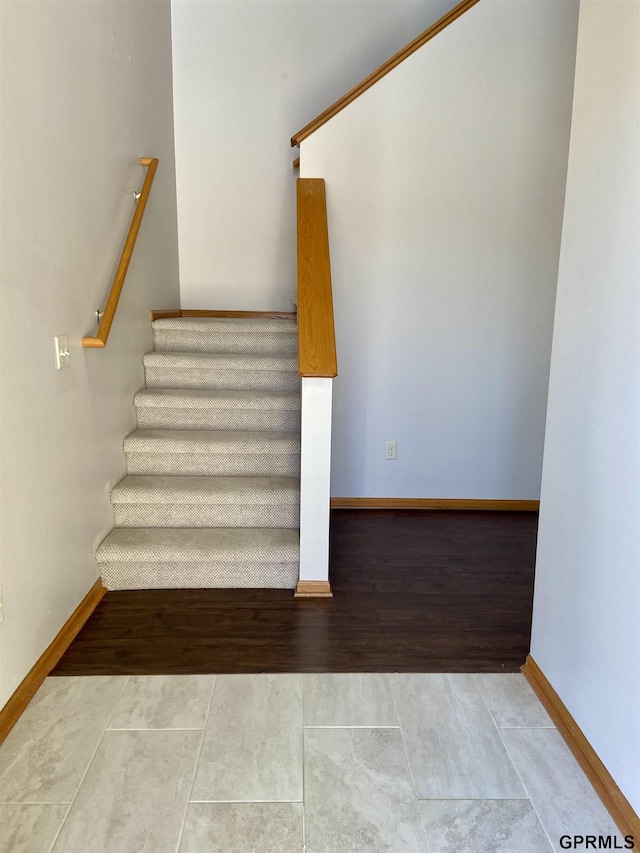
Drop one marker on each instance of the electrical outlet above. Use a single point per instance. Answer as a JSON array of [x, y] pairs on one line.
[[1, 607], [391, 450], [63, 356]]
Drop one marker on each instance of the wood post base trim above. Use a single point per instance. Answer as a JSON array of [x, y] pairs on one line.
[[313, 589], [10, 714], [603, 782], [435, 503]]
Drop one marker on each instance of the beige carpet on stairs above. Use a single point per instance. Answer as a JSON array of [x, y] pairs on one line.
[[212, 494]]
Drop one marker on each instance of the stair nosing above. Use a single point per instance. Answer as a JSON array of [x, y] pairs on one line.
[[124, 493], [236, 361], [215, 399], [212, 441]]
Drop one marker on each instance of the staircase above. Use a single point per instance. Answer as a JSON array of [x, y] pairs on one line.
[[212, 493]]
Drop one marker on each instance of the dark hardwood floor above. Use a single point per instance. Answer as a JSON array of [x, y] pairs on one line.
[[413, 592]]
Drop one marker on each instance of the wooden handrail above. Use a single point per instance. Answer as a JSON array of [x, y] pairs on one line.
[[100, 339], [384, 69], [316, 333]]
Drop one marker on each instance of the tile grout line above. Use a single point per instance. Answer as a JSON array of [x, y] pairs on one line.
[[501, 728], [196, 764], [31, 803], [126, 681], [57, 835], [388, 677], [506, 749], [351, 727], [304, 808], [89, 763], [535, 810], [159, 729], [243, 802], [474, 800]]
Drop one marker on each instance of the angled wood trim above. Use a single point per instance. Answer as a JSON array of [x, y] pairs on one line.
[[296, 164], [316, 332], [269, 315], [10, 714], [384, 69], [100, 340], [434, 503], [165, 315], [313, 589], [603, 782]]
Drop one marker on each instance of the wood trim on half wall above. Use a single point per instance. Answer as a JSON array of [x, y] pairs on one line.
[[10, 714], [434, 503], [603, 782]]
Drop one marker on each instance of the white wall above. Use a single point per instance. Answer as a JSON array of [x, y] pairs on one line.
[[247, 75], [586, 633], [445, 185], [86, 91]]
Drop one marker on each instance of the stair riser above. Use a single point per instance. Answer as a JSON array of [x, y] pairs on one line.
[[221, 380], [206, 515], [209, 464], [216, 419], [200, 575], [166, 340]]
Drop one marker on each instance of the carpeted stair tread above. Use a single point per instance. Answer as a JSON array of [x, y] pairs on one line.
[[183, 398], [225, 325], [199, 545], [211, 442], [231, 335], [221, 361], [207, 490], [221, 371], [196, 409]]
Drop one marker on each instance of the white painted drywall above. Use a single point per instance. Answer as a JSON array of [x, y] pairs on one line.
[[586, 633], [445, 185], [315, 476], [248, 74], [86, 91]]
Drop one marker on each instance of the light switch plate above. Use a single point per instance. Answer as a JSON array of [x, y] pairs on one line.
[[63, 356]]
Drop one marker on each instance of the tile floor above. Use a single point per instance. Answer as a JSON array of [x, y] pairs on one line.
[[291, 763]]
